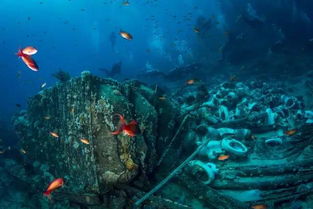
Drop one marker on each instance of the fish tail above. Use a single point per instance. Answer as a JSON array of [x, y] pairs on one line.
[[133, 122], [47, 193], [19, 53]]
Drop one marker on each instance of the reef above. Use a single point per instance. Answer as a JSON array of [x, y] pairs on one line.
[[234, 145]]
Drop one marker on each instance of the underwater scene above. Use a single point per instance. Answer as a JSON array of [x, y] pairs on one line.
[[156, 104]]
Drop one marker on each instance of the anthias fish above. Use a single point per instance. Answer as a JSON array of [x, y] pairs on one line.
[[191, 81], [291, 132], [28, 60], [23, 151], [223, 157], [261, 206], [54, 134], [47, 117], [55, 184], [43, 85], [129, 129], [85, 141], [29, 50], [162, 97], [126, 35]]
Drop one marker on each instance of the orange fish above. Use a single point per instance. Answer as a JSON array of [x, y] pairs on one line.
[[85, 141], [223, 157], [128, 129], [55, 184], [54, 134], [291, 132], [29, 50], [28, 60], [261, 206], [191, 81], [126, 35]]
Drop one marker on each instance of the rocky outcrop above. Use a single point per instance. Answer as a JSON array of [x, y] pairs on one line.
[[85, 108]]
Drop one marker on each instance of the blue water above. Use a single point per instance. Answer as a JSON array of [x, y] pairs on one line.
[[74, 36]]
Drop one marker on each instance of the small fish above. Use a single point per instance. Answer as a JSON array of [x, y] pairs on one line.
[[43, 85], [54, 134], [128, 129], [18, 105], [223, 157], [261, 206], [2, 151], [126, 35], [55, 184], [291, 132], [196, 30], [253, 137], [191, 81], [29, 50], [27, 59], [47, 117], [84, 140], [162, 97], [23, 151], [125, 3]]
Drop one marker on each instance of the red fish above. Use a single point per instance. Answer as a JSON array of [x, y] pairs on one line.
[[128, 129], [28, 60], [55, 184], [29, 50]]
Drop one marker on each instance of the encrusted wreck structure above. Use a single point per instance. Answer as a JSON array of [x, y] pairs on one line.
[[253, 145], [86, 108], [266, 136]]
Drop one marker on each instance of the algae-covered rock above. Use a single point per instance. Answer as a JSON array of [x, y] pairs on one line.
[[85, 108]]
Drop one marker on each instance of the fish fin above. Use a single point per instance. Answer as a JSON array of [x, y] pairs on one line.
[[117, 132], [122, 120]]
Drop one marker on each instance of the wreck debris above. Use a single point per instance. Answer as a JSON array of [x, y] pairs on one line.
[[172, 140], [232, 119], [169, 177], [85, 106]]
